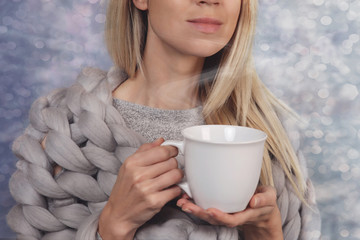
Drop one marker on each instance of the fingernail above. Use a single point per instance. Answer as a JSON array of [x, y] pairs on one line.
[[179, 204], [187, 210], [256, 202], [158, 140]]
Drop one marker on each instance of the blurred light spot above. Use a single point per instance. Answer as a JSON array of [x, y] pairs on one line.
[[265, 47], [302, 65], [297, 48], [343, 68], [353, 154], [39, 44], [307, 97], [316, 149], [346, 176], [326, 20], [327, 121], [84, 10], [100, 18], [352, 15], [45, 57], [355, 172], [344, 233], [349, 92], [3, 29], [313, 74], [80, 20], [318, 134], [347, 44], [93, 1], [74, 47], [308, 133], [354, 38], [22, 92], [313, 15], [321, 67], [344, 168], [323, 93], [343, 6], [316, 234], [330, 138], [306, 22], [20, 14], [318, 2], [285, 20]]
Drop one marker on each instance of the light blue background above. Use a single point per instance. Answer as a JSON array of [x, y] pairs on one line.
[[307, 52]]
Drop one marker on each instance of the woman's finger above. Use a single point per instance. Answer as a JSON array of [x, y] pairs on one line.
[[165, 180], [150, 145], [184, 199], [264, 196], [230, 220], [197, 211], [154, 155], [166, 195], [157, 169], [185, 196], [260, 208], [236, 219]]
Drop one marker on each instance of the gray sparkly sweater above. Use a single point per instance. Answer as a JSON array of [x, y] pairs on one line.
[[90, 135], [153, 123]]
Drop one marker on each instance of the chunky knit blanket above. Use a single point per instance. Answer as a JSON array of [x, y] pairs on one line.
[[87, 136]]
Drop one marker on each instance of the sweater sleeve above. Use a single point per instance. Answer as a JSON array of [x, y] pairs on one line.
[[66, 206]]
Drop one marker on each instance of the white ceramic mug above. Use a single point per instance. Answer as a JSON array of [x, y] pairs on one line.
[[222, 165]]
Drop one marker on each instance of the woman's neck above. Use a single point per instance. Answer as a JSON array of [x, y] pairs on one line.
[[169, 80]]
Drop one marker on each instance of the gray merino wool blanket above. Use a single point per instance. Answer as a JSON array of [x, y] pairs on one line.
[[88, 137]]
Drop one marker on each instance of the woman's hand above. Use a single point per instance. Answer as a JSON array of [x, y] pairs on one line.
[[145, 183], [260, 220]]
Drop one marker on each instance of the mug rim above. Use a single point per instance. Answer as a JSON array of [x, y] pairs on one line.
[[187, 136]]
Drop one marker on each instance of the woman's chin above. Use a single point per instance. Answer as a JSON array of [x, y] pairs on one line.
[[206, 48], [204, 52]]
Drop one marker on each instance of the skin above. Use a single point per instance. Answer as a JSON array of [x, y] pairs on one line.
[[146, 181], [178, 49], [260, 220], [144, 185]]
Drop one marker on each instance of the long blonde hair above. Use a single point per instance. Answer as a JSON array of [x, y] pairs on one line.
[[234, 94]]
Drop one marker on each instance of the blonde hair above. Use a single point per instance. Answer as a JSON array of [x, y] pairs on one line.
[[234, 94]]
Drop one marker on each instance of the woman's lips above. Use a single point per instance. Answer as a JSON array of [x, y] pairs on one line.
[[206, 25]]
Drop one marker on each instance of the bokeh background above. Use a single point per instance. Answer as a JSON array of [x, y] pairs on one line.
[[307, 52]]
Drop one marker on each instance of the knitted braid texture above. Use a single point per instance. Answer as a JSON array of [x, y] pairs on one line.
[[88, 137]]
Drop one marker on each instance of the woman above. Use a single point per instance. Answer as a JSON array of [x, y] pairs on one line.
[[182, 63]]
